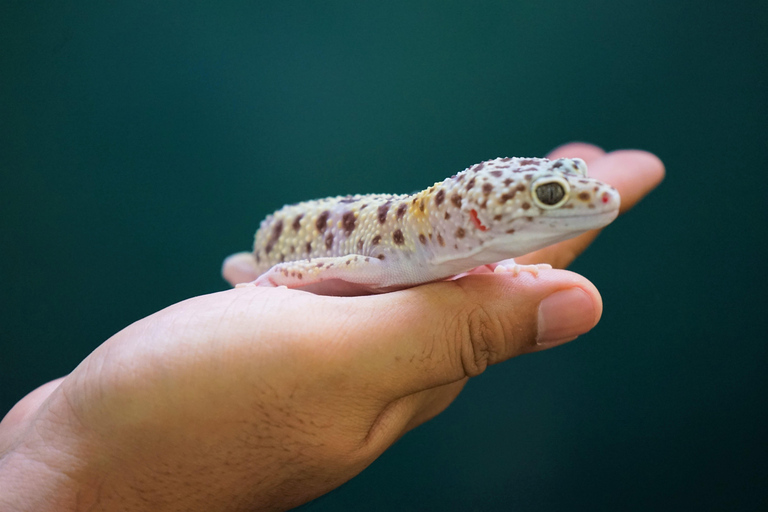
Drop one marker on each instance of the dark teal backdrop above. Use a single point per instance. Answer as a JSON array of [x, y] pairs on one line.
[[141, 142]]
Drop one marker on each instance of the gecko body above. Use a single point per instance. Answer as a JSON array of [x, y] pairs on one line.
[[491, 211]]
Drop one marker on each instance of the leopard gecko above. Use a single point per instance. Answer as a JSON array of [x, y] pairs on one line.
[[491, 211]]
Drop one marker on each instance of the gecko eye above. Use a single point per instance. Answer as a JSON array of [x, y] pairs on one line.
[[550, 193]]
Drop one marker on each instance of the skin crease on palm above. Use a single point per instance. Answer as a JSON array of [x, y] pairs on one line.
[[264, 398]]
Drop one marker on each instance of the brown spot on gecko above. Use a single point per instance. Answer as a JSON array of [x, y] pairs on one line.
[[557, 164], [421, 206], [470, 184], [383, 209], [319, 265], [367, 259], [487, 188], [298, 274], [520, 187], [297, 222], [277, 230], [380, 256], [348, 222], [376, 240], [293, 249], [460, 233], [508, 182], [329, 241], [478, 166], [507, 196], [510, 231], [527, 161], [597, 188], [347, 200], [401, 210], [497, 217], [398, 237], [348, 262], [440, 240], [282, 258], [363, 205], [528, 176], [439, 197], [422, 238], [506, 159], [322, 221], [459, 177], [360, 245], [308, 248], [496, 174], [525, 206], [456, 200], [584, 196], [447, 215]]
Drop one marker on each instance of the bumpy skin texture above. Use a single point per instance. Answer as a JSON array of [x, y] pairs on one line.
[[491, 211]]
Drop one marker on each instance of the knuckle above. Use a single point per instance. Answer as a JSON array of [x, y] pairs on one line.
[[481, 339]]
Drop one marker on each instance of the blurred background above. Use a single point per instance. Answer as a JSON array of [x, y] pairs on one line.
[[142, 142]]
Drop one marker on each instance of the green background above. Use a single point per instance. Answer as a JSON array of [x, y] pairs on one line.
[[141, 142]]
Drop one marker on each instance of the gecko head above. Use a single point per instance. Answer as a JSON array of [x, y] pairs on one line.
[[534, 202]]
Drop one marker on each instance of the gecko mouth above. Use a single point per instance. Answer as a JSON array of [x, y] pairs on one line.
[[594, 220], [557, 225]]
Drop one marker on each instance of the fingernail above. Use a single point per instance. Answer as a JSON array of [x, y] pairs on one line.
[[564, 315]]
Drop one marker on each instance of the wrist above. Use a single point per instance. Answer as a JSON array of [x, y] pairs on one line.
[[41, 464], [35, 476]]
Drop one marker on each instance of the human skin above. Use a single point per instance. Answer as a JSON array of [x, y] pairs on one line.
[[264, 398]]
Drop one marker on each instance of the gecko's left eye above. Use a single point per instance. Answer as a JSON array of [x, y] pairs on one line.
[[550, 193]]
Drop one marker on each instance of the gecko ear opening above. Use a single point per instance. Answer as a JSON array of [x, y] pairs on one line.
[[550, 193]]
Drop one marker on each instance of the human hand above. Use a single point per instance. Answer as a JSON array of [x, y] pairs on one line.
[[264, 398]]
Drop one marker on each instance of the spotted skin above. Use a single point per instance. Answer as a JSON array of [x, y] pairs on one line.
[[491, 211]]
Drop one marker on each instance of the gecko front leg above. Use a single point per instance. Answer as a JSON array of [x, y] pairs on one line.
[[513, 268], [342, 275]]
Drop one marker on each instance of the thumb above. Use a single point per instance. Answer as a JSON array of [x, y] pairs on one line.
[[447, 331]]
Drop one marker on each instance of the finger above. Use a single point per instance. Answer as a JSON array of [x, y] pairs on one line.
[[451, 330], [435, 401], [408, 412], [633, 173], [587, 152], [239, 268]]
